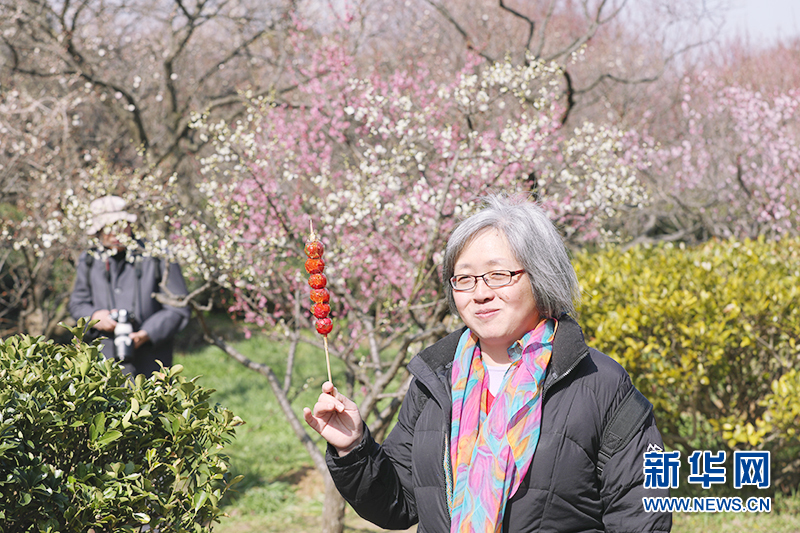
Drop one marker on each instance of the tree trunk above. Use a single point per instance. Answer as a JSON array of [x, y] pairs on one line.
[[33, 321], [333, 508]]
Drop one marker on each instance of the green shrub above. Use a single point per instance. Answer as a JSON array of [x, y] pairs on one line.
[[711, 335], [84, 448]]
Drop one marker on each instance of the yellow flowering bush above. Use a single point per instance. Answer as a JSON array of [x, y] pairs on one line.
[[711, 335]]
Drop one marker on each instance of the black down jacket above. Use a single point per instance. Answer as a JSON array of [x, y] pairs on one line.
[[402, 482]]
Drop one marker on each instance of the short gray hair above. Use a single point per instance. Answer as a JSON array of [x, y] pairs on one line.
[[534, 241]]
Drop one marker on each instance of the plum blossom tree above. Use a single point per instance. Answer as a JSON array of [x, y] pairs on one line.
[[138, 89], [630, 47], [728, 165], [34, 133], [121, 80], [91, 87]]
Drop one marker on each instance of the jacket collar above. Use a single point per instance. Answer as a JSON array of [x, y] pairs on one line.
[[569, 348], [431, 366]]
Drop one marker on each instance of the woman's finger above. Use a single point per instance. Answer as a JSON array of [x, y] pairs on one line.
[[327, 405], [311, 420]]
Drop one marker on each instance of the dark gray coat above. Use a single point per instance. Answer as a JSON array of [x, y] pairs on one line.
[[126, 288], [402, 482]]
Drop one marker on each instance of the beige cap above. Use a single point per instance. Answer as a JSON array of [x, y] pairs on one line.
[[106, 211]]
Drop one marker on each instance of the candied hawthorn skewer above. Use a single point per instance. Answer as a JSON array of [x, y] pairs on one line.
[[315, 266]]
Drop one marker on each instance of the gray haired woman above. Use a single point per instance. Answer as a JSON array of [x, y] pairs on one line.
[[502, 427]]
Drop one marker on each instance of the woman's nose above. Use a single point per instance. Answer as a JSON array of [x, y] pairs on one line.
[[482, 291]]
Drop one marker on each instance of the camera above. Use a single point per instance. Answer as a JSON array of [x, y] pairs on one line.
[[123, 343]]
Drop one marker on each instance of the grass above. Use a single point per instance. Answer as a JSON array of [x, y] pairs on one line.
[[282, 492], [265, 451]]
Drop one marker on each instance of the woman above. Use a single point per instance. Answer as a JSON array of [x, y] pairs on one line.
[[501, 427]]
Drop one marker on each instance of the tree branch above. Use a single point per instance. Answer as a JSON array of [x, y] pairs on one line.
[[467, 41], [527, 20]]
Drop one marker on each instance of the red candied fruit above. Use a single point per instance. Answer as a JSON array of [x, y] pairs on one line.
[[317, 281], [320, 296], [324, 326], [314, 249], [315, 266], [320, 310]]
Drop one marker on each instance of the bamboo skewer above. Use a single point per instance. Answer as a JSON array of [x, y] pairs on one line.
[[327, 358]]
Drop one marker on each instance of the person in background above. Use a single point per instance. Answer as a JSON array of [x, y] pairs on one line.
[[115, 286], [501, 428]]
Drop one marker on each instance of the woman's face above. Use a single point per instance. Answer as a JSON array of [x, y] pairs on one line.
[[500, 316]]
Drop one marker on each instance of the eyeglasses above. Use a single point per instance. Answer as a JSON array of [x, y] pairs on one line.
[[493, 279]]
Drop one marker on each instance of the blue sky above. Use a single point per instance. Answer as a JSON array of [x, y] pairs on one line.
[[765, 20]]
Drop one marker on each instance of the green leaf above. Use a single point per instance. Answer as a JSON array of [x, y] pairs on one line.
[[108, 437], [199, 499]]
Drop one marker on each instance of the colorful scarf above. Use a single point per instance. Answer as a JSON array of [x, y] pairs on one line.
[[490, 453]]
